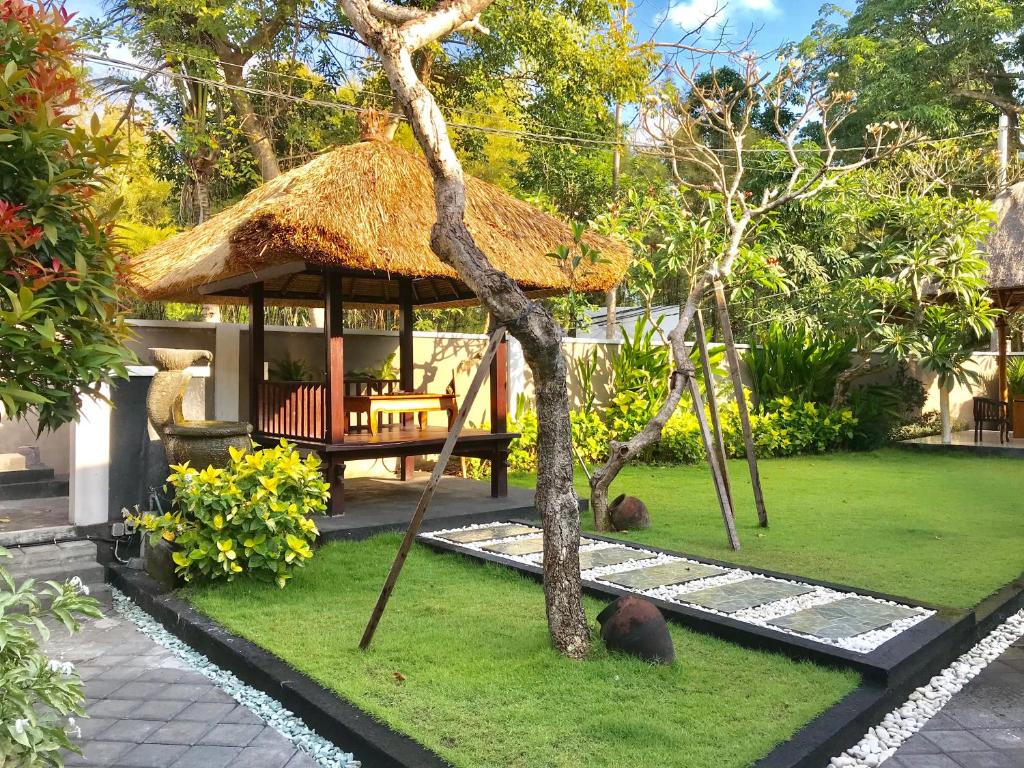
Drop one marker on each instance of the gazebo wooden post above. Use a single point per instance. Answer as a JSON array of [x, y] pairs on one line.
[[499, 417], [407, 464], [335, 386], [256, 353], [1004, 383]]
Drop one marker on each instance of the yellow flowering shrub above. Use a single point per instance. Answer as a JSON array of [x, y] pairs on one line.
[[247, 519]]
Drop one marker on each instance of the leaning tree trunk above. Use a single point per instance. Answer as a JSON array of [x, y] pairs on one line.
[[535, 329], [249, 122]]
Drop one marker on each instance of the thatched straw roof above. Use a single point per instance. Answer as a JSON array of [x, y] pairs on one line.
[[368, 209], [1005, 249]]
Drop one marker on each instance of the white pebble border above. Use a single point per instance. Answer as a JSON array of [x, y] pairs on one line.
[[759, 615], [881, 741], [324, 753]]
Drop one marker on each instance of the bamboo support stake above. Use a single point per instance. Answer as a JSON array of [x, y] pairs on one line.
[[709, 386], [741, 402], [428, 492], [724, 502]]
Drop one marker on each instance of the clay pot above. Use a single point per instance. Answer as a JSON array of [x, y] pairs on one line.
[[635, 626], [628, 513]]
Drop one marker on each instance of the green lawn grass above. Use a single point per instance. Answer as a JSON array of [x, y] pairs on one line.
[[482, 686], [943, 529]]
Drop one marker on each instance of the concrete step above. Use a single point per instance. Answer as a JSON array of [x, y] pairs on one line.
[[36, 489], [31, 536], [26, 475], [59, 562]]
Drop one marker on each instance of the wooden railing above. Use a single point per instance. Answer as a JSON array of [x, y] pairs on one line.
[[292, 409]]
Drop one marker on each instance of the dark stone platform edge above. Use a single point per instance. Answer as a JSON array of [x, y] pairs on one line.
[[375, 744], [843, 725]]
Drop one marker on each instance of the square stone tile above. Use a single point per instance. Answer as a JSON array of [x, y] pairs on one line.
[[158, 709], [956, 741], [740, 595], [142, 689], [487, 533], [98, 688], [918, 745], [99, 753], [596, 558], [186, 691], [264, 757], [153, 756], [115, 708], [924, 761], [232, 734], [661, 575], [1001, 738], [130, 729], [207, 712], [529, 545], [186, 732], [848, 617], [242, 715], [207, 757], [301, 760], [990, 759]]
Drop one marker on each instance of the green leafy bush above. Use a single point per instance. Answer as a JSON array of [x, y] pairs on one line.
[[40, 696], [788, 362], [247, 519], [785, 427], [590, 436], [1015, 375], [681, 441], [61, 334]]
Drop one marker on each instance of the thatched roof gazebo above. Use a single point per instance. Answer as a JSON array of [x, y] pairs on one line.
[[352, 227], [1005, 255]]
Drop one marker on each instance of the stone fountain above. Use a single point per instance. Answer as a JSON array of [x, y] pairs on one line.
[[202, 443]]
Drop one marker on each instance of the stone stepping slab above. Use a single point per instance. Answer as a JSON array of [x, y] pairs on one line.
[[740, 595], [848, 617], [666, 574], [488, 533], [598, 558], [527, 545]]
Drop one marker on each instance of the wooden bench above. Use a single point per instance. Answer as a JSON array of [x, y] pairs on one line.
[[417, 403], [988, 411]]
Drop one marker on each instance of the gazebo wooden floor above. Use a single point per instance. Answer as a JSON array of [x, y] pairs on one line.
[[963, 443]]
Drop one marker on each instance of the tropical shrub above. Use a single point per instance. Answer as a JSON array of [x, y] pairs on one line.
[[786, 427], [248, 519], [590, 436], [791, 362], [40, 695], [681, 441], [60, 330], [1015, 375]]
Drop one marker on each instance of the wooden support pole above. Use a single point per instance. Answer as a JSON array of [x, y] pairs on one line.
[[717, 477], [735, 374], [256, 354], [407, 464], [1004, 383], [428, 492], [709, 386], [499, 417], [335, 424]]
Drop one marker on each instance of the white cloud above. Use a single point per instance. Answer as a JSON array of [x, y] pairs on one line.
[[690, 14]]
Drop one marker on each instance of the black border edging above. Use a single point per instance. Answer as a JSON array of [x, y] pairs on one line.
[[430, 524], [373, 743]]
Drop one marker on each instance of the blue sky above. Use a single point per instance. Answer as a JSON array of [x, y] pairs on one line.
[[779, 21]]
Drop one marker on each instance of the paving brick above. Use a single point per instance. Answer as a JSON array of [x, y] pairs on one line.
[[186, 691], [302, 760], [153, 756], [232, 734], [116, 708], [208, 712], [1001, 738], [925, 761], [955, 741], [92, 727], [990, 758], [142, 689], [207, 757], [264, 757], [100, 688], [243, 715], [100, 753], [918, 745], [214, 694], [158, 710], [179, 732], [131, 729]]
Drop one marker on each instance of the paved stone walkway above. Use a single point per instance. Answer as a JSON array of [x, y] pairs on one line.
[[981, 727], [148, 709]]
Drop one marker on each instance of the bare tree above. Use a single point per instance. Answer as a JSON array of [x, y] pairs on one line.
[[395, 33], [704, 123]]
